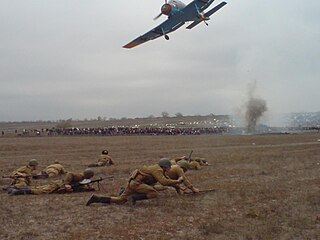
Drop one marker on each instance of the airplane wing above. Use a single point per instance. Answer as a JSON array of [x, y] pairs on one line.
[[170, 25], [195, 5], [208, 14]]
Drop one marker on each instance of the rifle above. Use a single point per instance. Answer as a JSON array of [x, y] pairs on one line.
[[89, 181], [40, 176], [14, 176], [202, 191], [189, 158]]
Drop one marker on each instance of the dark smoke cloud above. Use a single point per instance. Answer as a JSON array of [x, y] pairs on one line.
[[255, 109]]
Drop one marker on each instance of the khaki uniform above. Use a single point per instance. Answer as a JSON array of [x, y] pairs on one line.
[[173, 162], [54, 170], [175, 172], [201, 161], [73, 178], [49, 188], [143, 181], [194, 165], [25, 179], [58, 185], [105, 160]]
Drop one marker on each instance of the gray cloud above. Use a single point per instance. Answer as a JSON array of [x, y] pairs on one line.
[[63, 59]]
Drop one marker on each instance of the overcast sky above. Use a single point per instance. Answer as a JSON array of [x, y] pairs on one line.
[[63, 59]]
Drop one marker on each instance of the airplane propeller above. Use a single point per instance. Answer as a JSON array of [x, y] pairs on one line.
[[160, 14]]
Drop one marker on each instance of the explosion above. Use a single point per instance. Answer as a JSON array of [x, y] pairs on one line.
[[255, 108]]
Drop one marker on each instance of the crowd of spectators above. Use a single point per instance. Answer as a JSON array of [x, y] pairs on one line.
[[121, 131]]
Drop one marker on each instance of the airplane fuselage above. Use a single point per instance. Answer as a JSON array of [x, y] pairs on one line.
[[178, 14]]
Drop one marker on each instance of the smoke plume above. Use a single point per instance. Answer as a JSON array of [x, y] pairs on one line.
[[255, 107]]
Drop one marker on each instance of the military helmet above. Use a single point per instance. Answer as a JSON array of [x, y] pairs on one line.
[[33, 162], [88, 173], [105, 152], [164, 162], [184, 164]]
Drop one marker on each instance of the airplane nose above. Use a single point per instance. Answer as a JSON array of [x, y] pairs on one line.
[[166, 9]]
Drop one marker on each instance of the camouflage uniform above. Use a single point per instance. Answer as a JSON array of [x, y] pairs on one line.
[[142, 181], [25, 179]]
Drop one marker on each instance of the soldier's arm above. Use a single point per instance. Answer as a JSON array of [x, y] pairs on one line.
[[186, 181], [68, 179], [23, 172], [62, 170], [111, 160], [159, 176]]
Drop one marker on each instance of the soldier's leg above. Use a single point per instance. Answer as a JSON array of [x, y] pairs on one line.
[[122, 198], [93, 165], [150, 191], [160, 188], [97, 199], [121, 190], [143, 192], [20, 191], [49, 188], [19, 182]]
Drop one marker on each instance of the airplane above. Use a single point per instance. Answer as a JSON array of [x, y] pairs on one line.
[[178, 14]]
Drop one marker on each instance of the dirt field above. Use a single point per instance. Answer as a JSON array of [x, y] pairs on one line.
[[268, 187]]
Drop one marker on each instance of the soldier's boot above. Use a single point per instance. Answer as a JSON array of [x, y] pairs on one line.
[[96, 199], [137, 197], [9, 189], [20, 192], [121, 190]]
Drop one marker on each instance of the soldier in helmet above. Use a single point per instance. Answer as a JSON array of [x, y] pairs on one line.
[[71, 183], [177, 159], [201, 161], [141, 184], [177, 171], [72, 179], [51, 171], [104, 160], [194, 165], [23, 175]]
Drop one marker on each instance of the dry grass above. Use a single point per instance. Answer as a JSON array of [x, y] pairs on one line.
[[268, 188]]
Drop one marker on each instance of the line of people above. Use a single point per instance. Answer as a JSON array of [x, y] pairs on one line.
[[143, 183], [23, 176]]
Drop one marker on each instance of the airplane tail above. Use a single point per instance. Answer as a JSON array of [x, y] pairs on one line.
[[207, 5], [216, 8], [207, 15]]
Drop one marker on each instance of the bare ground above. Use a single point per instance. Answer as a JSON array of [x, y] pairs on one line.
[[267, 188]]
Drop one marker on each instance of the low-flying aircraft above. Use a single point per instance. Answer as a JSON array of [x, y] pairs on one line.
[[178, 14]]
